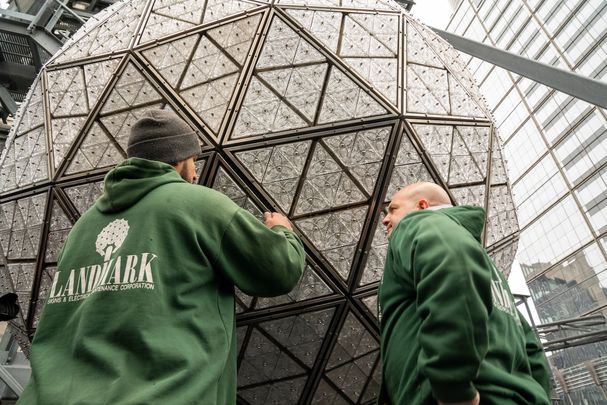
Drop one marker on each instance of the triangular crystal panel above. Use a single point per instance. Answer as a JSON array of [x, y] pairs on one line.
[[418, 51], [22, 275], [59, 227], [24, 231], [218, 9], [501, 214], [132, 90], [46, 283], [285, 47], [300, 86], [63, 133], [236, 37], [96, 77], [326, 185], [26, 161], [171, 59], [369, 35], [335, 235], [376, 258], [84, 196], [310, 286], [263, 112], [112, 35], [362, 153], [278, 169], [427, 90], [353, 359], [226, 184], [325, 25], [96, 151], [408, 168], [344, 99], [67, 92]]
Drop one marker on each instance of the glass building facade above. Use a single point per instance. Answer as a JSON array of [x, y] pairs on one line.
[[556, 151]]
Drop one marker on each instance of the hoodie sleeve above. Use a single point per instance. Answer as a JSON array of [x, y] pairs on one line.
[[540, 371], [453, 286], [260, 261]]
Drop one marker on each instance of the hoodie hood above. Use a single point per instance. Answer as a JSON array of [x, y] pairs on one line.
[[132, 180], [471, 218]]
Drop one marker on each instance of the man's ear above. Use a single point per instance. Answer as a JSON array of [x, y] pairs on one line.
[[423, 204]]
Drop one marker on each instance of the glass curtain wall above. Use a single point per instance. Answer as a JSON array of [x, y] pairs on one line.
[[556, 149]]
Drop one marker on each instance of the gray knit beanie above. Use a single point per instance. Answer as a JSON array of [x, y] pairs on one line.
[[161, 135]]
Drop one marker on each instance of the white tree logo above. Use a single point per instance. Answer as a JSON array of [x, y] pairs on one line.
[[111, 238]]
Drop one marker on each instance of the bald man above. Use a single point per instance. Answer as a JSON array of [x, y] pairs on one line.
[[450, 331]]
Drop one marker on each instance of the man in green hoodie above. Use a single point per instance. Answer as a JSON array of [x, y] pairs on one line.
[[141, 309], [450, 331]]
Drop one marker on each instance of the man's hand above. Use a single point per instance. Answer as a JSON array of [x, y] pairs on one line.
[[275, 218], [475, 401]]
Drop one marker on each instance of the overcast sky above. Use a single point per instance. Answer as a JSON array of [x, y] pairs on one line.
[[435, 13]]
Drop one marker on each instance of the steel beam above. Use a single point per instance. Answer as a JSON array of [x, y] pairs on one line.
[[41, 38], [6, 100], [578, 86]]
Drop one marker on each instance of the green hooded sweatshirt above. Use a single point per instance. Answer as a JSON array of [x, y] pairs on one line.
[[449, 325], [141, 310]]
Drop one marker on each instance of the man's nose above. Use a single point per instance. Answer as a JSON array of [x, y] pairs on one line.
[[386, 220]]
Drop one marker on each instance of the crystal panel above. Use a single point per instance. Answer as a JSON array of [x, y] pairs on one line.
[[418, 51], [335, 235], [46, 283], [408, 168], [26, 161], [22, 276], [461, 101], [504, 257], [324, 25], [63, 133], [376, 257], [469, 195], [84, 196], [285, 47], [131, 90], [310, 286], [31, 113], [301, 335], [427, 90], [371, 304], [344, 99], [469, 155], [112, 35], [228, 186], [369, 35], [327, 185], [501, 215], [264, 112], [277, 169], [169, 16], [218, 9], [362, 153], [59, 227], [498, 164], [67, 92], [353, 360], [285, 350], [381, 73], [97, 150], [96, 76], [21, 225], [171, 59]]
